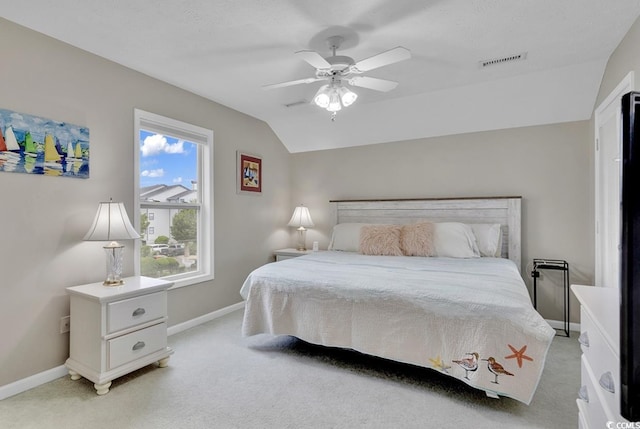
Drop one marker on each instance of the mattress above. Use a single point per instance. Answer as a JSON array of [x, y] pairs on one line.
[[471, 319]]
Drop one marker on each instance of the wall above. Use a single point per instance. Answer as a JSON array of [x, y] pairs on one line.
[[624, 59], [549, 166], [43, 219]]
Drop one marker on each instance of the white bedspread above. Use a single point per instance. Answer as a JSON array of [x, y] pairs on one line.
[[441, 313]]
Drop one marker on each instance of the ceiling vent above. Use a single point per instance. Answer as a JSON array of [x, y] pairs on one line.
[[296, 103], [496, 61]]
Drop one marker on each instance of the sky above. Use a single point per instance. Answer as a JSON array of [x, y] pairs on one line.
[[167, 160]]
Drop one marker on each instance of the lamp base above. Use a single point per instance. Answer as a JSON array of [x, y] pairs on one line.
[[302, 238], [114, 251]]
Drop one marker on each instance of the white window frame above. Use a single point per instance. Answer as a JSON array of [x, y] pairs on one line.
[[204, 138]]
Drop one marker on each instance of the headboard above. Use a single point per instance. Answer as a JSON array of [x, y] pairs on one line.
[[503, 210]]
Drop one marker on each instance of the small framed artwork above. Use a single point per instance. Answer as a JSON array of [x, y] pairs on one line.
[[249, 173]]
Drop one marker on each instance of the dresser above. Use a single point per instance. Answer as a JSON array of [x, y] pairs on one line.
[[599, 394], [117, 329]]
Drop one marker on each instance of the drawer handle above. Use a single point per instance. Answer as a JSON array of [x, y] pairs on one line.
[[138, 345], [583, 394], [584, 339], [138, 312], [606, 381]]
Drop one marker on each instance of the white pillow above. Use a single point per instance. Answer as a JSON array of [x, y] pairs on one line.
[[455, 240], [346, 237], [488, 238]]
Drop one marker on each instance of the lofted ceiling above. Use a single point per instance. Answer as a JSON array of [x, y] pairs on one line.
[[226, 50]]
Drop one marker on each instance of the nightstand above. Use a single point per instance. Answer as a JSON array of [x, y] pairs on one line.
[[289, 253], [117, 329]]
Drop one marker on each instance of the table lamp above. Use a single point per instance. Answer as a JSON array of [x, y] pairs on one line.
[[301, 219], [111, 224]]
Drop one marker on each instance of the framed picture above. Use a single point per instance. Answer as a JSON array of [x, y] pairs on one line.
[[35, 145], [249, 173]]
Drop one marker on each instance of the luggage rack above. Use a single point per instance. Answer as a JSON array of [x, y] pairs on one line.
[[558, 265]]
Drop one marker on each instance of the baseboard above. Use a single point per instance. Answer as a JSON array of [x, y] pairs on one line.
[[204, 319], [36, 380], [559, 324]]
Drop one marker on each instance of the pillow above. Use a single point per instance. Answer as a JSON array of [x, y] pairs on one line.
[[455, 240], [346, 237], [488, 238], [417, 239], [380, 240]]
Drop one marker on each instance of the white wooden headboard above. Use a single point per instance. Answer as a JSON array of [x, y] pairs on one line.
[[503, 210]]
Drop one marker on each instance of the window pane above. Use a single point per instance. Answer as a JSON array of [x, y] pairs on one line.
[[168, 169], [169, 175]]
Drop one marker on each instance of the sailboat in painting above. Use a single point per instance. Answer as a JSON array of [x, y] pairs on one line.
[[73, 153], [30, 146], [9, 148], [51, 156]]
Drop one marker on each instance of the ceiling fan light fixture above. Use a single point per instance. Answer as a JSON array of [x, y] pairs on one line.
[[346, 96], [334, 103], [322, 99]]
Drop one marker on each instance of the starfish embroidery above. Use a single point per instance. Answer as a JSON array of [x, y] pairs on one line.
[[519, 355], [439, 364]]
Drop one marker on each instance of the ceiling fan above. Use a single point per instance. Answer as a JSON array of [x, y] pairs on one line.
[[339, 70]]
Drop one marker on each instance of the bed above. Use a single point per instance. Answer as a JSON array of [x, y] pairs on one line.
[[470, 318]]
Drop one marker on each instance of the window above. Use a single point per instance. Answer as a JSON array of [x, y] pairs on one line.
[[174, 189]]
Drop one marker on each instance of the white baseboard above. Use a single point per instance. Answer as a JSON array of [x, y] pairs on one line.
[[204, 318], [36, 380], [559, 324]]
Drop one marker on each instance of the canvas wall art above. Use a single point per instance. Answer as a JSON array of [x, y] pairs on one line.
[[249, 173], [34, 145]]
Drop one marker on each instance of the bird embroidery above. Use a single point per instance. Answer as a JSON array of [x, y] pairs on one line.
[[468, 363], [496, 369], [519, 355]]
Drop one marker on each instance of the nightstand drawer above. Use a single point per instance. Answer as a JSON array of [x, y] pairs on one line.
[[602, 360], [135, 311], [137, 344]]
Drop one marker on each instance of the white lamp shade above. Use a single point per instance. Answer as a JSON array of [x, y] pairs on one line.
[[347, 97], [301, 218], [322, 98], [111, 223], [334, 102]]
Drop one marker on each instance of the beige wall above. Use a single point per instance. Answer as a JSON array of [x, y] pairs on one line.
[[624, 59], [549, 166], [43, 219]]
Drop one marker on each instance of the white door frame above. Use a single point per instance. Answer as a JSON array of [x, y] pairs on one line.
[[610, 106]]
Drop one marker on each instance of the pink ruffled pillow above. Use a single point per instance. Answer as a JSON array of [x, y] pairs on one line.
[[417, 239], [380, 240]]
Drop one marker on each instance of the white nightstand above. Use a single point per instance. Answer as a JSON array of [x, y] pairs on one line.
[[116, 330], [289, 253]]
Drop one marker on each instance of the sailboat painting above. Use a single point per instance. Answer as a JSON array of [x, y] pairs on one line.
[[35, 145]]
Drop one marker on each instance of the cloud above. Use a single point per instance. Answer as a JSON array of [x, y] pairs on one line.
[[153, 173], [177, 180], [157, 143]]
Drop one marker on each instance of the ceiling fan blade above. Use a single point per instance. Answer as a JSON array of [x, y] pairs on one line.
[[292, 82], [314, 58], [373, 83], [383, 59]]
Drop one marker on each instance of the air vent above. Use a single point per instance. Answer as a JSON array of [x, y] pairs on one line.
[[496, 61], [296, 103]]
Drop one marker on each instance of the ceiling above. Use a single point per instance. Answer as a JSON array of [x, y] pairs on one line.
[[226, 50]]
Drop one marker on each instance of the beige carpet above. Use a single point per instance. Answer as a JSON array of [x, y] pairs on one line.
[[217, 379]]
